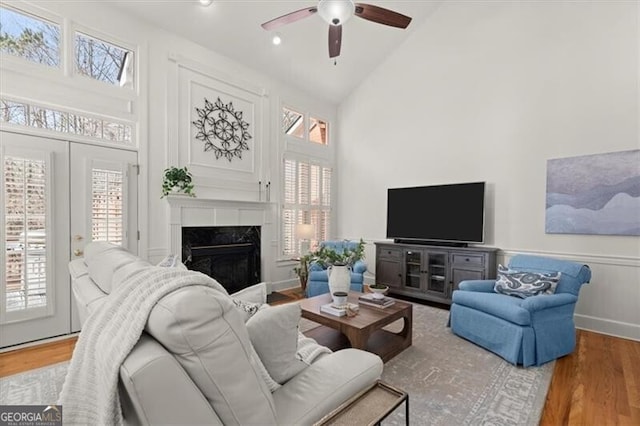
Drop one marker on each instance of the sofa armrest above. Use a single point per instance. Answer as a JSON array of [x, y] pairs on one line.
[[546, 301], [483, 286], [360, 267]]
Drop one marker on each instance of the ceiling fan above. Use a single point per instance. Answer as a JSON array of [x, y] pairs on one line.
[[336, 13]]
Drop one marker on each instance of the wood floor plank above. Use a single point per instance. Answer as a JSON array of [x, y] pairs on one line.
[[14, 362]]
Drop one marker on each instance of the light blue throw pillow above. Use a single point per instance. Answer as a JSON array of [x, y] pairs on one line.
[[525, 284]]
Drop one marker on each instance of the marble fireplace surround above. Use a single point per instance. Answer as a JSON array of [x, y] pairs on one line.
[[189, 212]]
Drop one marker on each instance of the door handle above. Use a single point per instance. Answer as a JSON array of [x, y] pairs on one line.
[[78, 252], [77, 237]]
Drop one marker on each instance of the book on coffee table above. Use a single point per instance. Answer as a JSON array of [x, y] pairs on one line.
[[369, 300], [338, 311]]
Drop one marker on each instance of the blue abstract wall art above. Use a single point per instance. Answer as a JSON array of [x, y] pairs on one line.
[[594, 194]]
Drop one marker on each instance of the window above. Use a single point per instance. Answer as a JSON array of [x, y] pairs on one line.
[[102, 61], [26, 240], [106, 206], [292, 123], [318, 130], [29, 37], [29, 115], [307, 199]]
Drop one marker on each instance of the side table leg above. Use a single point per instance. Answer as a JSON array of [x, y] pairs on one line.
[[406, 407]]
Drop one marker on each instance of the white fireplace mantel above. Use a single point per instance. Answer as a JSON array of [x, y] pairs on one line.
[[190, 211]]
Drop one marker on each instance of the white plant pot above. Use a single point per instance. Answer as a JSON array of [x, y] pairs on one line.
[[339, 278]]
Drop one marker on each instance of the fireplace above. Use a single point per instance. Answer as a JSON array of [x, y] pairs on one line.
[[229, 254]]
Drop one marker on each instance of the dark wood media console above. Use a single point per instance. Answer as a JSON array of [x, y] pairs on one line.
[[431, 272]]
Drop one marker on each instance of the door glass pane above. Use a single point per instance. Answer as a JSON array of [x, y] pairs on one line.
[[26, 240], [413, 268], [106, 206]]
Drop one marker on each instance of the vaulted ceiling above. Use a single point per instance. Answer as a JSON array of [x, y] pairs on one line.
[[232, 28]]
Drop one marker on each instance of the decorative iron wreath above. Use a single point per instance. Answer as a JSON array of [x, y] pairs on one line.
[[222, 129]]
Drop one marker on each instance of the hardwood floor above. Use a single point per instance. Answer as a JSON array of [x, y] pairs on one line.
[[599, 384], [20, 360]]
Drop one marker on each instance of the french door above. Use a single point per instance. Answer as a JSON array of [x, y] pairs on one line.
[[50, 191]]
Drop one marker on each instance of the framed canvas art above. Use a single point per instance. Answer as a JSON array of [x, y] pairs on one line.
[[594, 194]]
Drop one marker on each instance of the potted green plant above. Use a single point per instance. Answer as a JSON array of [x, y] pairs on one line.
[[328, 257], [338, 264], [177, 181]]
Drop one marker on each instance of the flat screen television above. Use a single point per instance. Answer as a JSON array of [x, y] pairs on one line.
[[449, 214]]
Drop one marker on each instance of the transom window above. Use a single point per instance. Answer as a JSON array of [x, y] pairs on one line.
[[29, 37], [39, 40], [294, 124], [103, 61], [23, 114]]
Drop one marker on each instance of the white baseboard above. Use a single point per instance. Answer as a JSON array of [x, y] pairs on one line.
[[283, 285], [608, 327]]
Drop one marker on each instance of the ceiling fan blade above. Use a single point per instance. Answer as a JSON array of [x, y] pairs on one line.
[[335, 40], [289, 18], [381, 15]]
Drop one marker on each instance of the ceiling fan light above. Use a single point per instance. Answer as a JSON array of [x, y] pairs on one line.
[[276, 39], [336, 12]]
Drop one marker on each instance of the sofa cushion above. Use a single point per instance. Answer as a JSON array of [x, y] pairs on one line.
[[207, 335], [274, 335], [256, 293], [326, 384], [525, 284], [499, 305]]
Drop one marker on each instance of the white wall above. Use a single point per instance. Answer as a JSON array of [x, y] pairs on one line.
[[489, 91], [155, 108]]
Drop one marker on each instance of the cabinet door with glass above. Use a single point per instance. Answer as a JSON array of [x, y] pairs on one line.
[[413, 270], [435, 273]]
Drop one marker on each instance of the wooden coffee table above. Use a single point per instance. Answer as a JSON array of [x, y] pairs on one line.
[[363, 331]]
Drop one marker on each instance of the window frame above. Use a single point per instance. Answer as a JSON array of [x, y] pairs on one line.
[[131, 145], [75, 28], [19, 63], [306, 122], [306, 208]]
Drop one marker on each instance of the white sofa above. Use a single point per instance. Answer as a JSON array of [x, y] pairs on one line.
[[189, 365]]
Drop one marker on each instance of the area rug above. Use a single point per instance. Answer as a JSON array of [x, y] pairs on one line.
[[450, 381], [34, 387]]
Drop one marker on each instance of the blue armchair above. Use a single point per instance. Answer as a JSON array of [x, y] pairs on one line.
[[318, 282], [530, 331]]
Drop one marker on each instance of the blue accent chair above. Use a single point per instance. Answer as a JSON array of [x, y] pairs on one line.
[[318, 282], [530, 331]]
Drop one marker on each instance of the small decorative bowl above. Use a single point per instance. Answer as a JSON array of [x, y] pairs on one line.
[[378, 293]]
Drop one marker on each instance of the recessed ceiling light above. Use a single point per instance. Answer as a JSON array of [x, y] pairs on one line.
[[206, 2], [276, 39]]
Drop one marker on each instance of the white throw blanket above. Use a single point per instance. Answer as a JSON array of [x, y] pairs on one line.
[[90, 392]]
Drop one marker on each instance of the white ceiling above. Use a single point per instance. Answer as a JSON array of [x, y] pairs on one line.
[[232, 28]]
